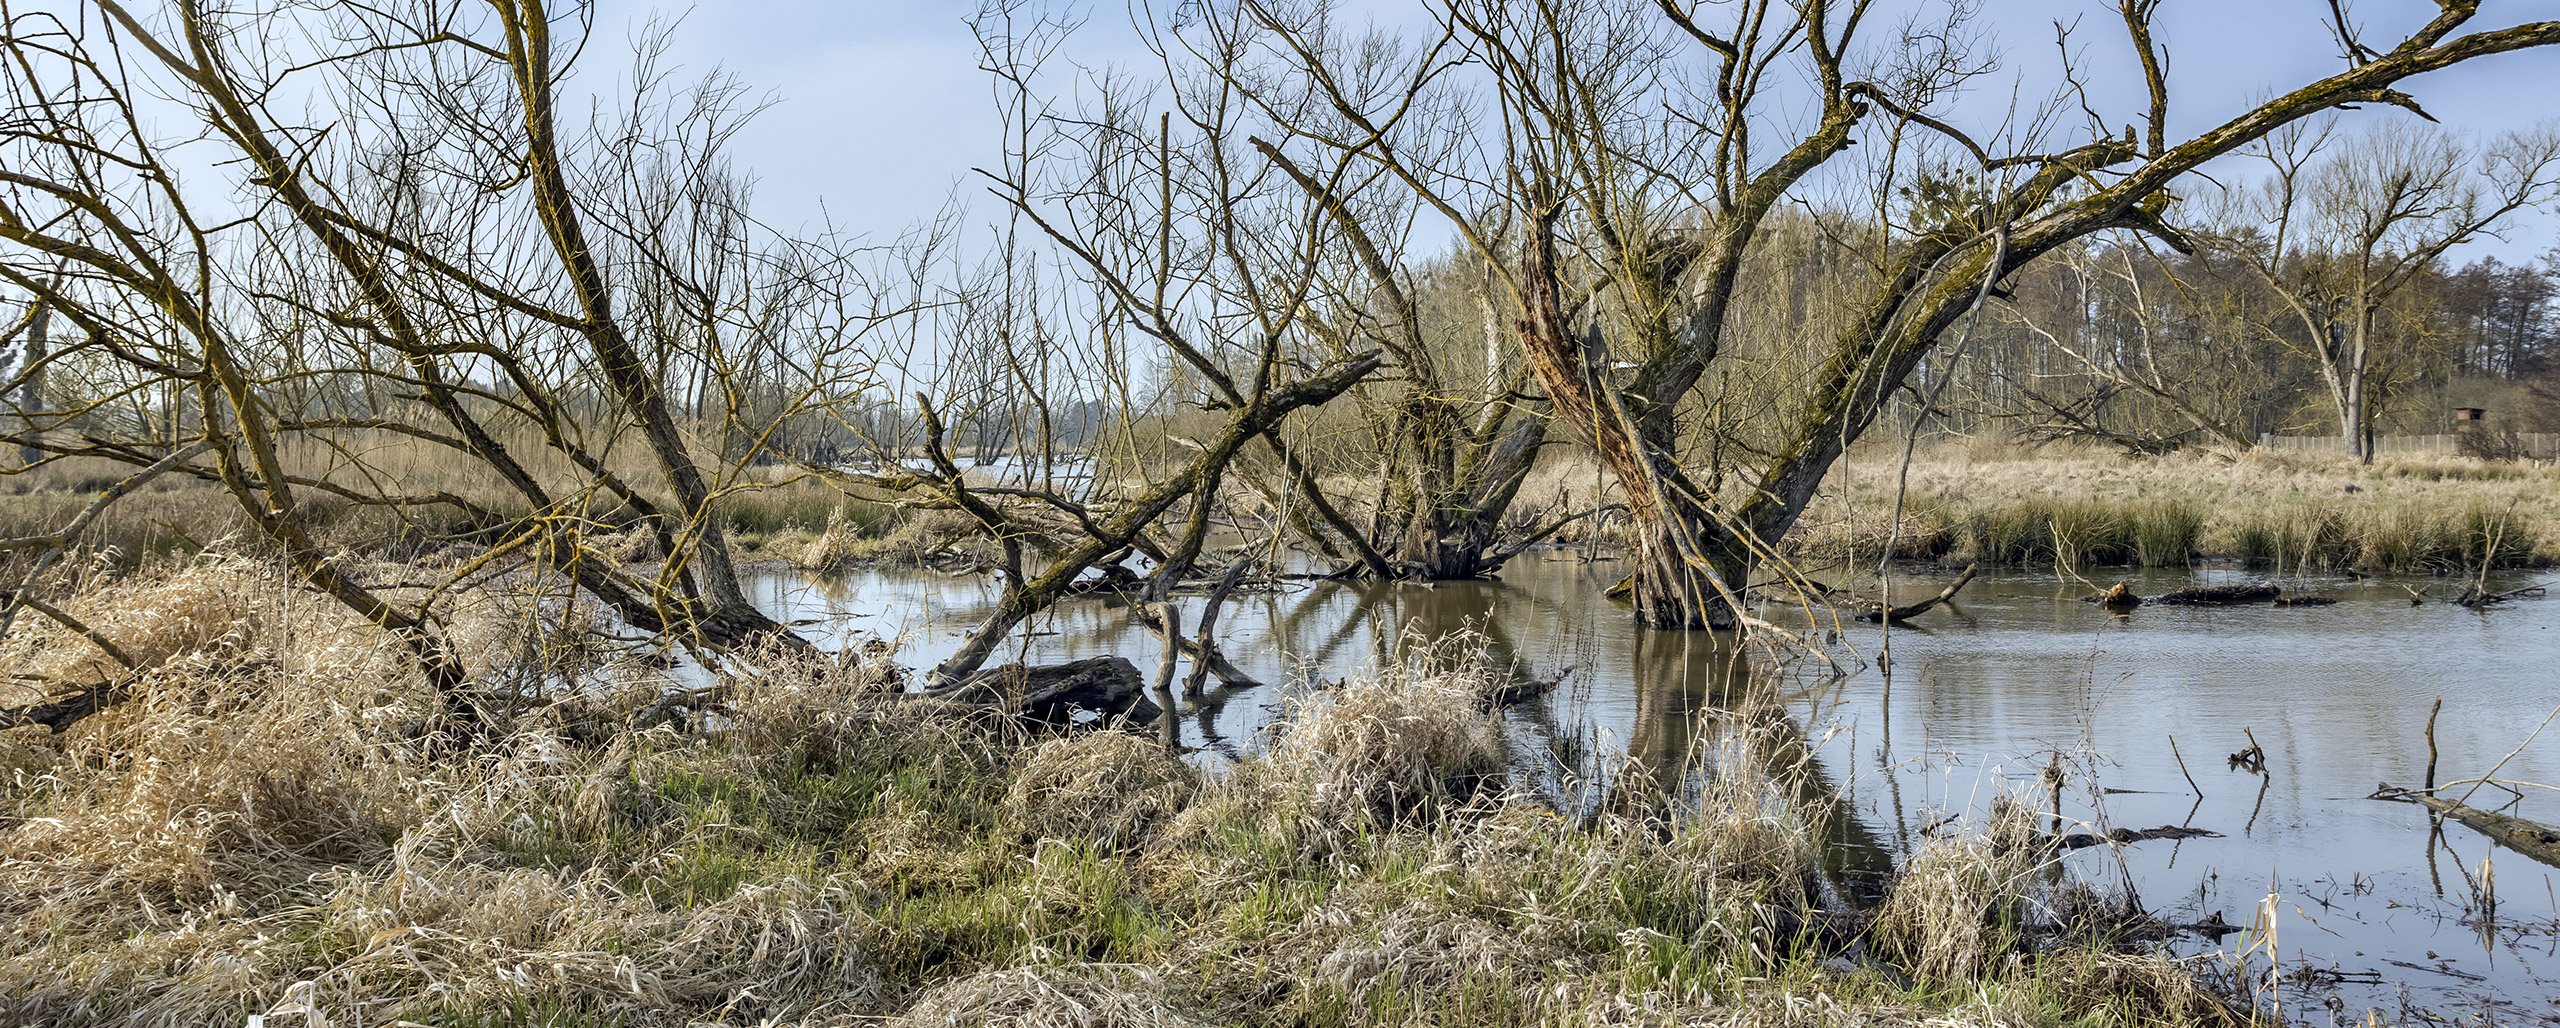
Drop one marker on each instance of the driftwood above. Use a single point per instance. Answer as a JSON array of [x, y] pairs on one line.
[[61, 712], [2220, 595], [2119, 597], [1053, 693], [1521, 687], [2122, 836], [2476, 598], [2531, 838], [1207, 653], [1875, 610]]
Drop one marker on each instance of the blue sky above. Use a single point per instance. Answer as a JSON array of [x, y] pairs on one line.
[[879, 109]]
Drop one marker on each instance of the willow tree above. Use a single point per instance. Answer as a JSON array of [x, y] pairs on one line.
[[299, 251], [1645, 148]]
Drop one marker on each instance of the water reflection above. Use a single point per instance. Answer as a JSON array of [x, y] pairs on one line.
[[1982, 698]]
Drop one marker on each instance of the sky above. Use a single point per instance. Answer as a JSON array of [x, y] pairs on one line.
[[878, 108]]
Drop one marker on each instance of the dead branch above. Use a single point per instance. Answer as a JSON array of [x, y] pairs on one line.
[[1876, 611], [2533, 839]]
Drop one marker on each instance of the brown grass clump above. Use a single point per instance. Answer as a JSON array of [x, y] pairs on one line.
[[1388, 744], [1068, 996], [1957, 904], [209, 615], [481, 938], [261, 742], [1107, 788]]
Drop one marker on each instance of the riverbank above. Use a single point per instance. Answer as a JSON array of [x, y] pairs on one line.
[[2080, 508], [261, 831], [2073, 508]]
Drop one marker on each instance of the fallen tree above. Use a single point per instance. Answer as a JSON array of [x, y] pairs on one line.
[[2533, 839], [1875, 611]]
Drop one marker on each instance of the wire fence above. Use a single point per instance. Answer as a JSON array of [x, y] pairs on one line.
[[2525, 445]]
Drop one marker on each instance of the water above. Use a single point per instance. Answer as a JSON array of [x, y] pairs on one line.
[[1982, 696]]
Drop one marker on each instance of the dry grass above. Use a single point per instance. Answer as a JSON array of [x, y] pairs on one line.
[[1106, 788], [2076, 506], [1958, 904], [1067, 996], [260, 834], [773, 514], [1390, 744]]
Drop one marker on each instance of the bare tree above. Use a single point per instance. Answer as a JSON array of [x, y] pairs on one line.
[[2340, 231], [1192, 258], [439, 266], [2131, 321]]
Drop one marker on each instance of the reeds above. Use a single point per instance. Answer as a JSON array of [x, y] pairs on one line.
[[2075, 509]]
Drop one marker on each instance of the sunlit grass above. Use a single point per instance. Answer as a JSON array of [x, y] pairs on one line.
[[268, 816]]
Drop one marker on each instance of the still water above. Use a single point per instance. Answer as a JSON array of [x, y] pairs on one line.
[[1982, 697]]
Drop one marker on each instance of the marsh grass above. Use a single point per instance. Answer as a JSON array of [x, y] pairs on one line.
[[264, 832], [779, 516], [2073, 508]]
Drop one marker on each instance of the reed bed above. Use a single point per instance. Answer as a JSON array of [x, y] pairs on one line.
[[2072, 508], [265, 832]]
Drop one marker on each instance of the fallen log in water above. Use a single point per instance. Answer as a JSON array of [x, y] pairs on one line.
[[1876, 610], [2476, 598], [2220, 595], [2123, 836], [1053, 693], [2533, 839]]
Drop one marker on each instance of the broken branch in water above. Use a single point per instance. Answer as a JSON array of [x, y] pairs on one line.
[[2253, 759], [2123, 836], [2533, 839], [1876, 610], [1207, 652], [2476, 598], [2221, 595]]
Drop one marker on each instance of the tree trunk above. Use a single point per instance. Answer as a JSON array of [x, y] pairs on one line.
[[31, 385], [1682, 561]]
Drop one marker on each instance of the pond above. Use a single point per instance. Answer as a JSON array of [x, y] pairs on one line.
[[1982, 696]]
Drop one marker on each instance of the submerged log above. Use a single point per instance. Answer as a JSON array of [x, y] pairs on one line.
[[2123, 836], [2476, 598], [1876, 610], [1207, 652], [2531, 838], [2220, 595], [1054, 693]]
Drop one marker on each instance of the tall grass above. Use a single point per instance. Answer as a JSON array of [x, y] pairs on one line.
[[2075, 534], [263, 833], [801, 521], [2074, 508]]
